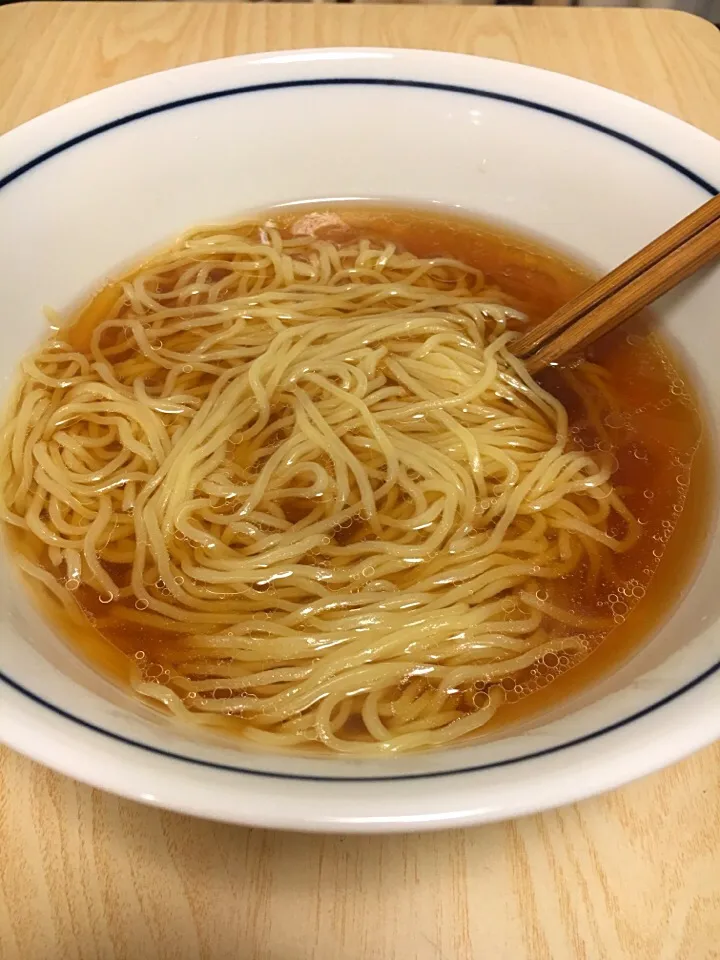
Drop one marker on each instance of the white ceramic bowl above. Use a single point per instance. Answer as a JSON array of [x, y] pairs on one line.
[[94, 184]]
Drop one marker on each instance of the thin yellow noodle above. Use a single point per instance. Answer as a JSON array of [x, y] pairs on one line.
[[318, 474]]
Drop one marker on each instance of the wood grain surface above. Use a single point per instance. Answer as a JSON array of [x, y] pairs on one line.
[[633, 875]]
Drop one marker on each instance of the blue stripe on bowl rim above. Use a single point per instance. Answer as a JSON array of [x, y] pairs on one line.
[[370, 82]]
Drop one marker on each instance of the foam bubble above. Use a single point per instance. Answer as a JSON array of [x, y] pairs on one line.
[[614, 420]]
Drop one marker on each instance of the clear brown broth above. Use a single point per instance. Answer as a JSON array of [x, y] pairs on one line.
[[653, 428]]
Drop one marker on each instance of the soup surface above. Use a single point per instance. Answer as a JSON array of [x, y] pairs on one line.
[[205, 603]]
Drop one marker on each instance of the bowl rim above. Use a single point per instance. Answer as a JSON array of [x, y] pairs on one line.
[[15, 737]]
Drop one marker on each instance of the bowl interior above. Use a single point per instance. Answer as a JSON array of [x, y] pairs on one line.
[[502, 142]]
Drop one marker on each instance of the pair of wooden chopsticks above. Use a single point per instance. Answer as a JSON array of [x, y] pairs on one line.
[[621, 294]]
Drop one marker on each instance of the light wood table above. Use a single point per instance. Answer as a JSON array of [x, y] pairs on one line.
[[628, 876]]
